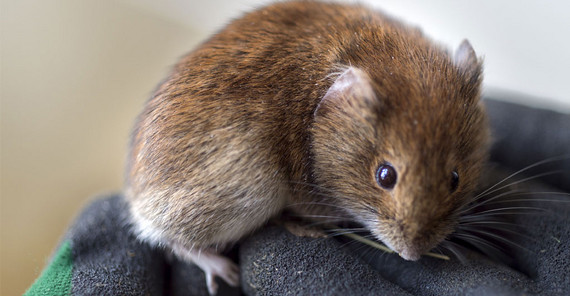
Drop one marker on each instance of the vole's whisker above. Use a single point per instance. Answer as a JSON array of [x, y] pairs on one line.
[[359, 246], [451, 246], [521, 200], [476, 241], [326, 223], [437, 250], [501, 238], [373, 249], [542, 192], [486, 247], [337, 232], [499, 228], [318, 203], [548, 160], [475, 204], [482, 217], [486, 222], [501, 209], [535, 196], [323, 221], [352, 229], [487, 192]]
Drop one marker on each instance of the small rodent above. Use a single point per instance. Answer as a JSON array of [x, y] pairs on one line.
[[319, 107]]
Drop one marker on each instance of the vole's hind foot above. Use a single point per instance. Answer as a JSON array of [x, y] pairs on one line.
[[214, 265], [298, 229]]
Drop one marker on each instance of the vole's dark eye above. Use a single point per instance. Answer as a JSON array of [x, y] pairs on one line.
[[386, 176], [454, 181]]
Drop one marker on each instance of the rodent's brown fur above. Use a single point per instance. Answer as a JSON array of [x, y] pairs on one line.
[[234, 134]]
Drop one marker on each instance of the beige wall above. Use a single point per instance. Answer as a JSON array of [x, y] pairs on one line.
[[75, 73]]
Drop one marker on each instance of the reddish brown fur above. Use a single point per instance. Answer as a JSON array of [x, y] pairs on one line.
[[232, 135]]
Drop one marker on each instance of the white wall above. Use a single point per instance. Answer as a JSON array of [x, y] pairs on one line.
[[525, 43]]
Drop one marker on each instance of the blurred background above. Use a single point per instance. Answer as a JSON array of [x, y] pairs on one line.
[[74, 74]]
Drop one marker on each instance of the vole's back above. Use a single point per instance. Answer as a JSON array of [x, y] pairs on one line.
[[216, 149]]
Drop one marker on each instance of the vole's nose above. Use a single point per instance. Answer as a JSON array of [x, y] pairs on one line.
[[409, 254]]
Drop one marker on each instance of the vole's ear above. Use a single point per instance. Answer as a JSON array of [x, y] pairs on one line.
[[467, 62], [351, 92], [345, 127]]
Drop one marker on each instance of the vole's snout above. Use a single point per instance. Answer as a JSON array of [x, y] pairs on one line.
[[411, 249], [409, 254]]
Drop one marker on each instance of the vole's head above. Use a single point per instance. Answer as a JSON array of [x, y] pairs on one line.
[[400, 144]]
